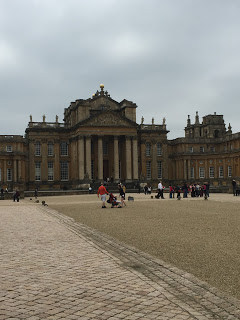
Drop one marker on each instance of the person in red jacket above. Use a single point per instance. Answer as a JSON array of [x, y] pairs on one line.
[[102, 191]]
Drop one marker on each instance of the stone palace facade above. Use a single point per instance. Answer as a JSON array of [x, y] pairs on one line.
[[100, 139]]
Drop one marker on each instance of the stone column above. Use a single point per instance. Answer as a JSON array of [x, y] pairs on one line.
[[44, 164], [185, 169], [19, 170], [128, 158], [116, 159], [135, 159], [14, 170], [88, 157], [80, 157], [4, 174], [100, 158]]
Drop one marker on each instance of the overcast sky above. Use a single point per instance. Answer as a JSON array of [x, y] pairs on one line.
[[170, 57]]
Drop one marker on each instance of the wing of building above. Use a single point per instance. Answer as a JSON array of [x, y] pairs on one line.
[[101, 140]]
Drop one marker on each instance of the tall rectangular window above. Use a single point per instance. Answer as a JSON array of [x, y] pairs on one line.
[[9, 174], [37, 148], [159, 149], [50, 149], [229, 171], [192, 172], [37, 171], [64, 171], [64, 149], [148, 149], [211, 172], [149, 172], [159, 169], [201, 149], [201, 172], [50, 171], [190, 149], [212, 149], [220, 171]]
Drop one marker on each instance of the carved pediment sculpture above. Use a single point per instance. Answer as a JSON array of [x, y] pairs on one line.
[[108, 119]]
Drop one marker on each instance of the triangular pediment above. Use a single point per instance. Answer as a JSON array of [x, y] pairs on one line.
[[107, 119]]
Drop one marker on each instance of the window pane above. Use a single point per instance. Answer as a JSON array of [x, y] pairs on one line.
[[201, 172], [211, 172], [9, 148], [148, 149], [50, 171], [64, 149], [37, 171], [221, 172], [192, 172], [229, 171], [37, 149], [50, 149], [159, 149], [149, 174], [64, 171], [9, 174]]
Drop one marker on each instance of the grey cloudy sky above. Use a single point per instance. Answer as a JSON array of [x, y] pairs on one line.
[[170, 57]]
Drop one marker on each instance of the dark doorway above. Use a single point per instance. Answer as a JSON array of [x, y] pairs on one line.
[[105, 169]]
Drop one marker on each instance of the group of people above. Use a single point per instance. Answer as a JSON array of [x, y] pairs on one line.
[[103, 192], [195, 190]]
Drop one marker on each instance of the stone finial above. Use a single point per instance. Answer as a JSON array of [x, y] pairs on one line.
[[44, 118], [56, 118], [188, 121], [30, 118], [164, 121], [229, 128], [142, 120], [197, 118], [152, 120]]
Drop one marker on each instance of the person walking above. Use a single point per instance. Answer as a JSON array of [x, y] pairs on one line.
[[102, 191], [234, 185], [160, 190]]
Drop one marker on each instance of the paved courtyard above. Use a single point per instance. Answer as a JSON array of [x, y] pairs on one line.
[[54, 268]]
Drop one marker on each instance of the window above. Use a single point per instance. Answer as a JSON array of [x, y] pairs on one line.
[[64, 149], [221, 172], [9, 174], [64, 171], [148, 167], [190, 149], [212, 149], [201, 172], [50, 171], [211, 172], [37, 148], [229, 171], [9, 148], [148, 149], [37, 171], [50, 149], [159, 149], [201, 149], [105, 148], [159, 169], [192, 172]]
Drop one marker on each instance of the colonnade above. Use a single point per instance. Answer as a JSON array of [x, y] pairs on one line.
[[15, 167], [85, 157]]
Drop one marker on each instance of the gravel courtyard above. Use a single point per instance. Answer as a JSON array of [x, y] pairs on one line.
[[201, 237]]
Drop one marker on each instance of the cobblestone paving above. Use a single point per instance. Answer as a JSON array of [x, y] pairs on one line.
[[54, 268]]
